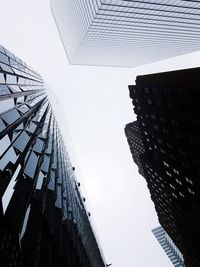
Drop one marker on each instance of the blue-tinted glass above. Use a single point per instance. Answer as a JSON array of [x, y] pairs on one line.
[[10, 156], [10, 116], [4, 58], [2, 78], [38, 146], [6, 104], [2, 125], [51, 185], [23, 109], [31, 165], [21, 141], [11, 79], [4, 90], [45, 164], [40, 181]]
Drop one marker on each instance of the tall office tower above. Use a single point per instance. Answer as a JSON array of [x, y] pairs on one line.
[[134, 138], [167, 106], [168, 246], [126, 32], [43, 221]]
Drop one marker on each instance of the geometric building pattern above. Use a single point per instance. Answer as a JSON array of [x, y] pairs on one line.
[[168, 246], [126, 33], [134, 138], [167, 106], [43, 221]]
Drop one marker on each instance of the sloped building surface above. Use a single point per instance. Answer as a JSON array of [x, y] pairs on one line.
[[43, 221]]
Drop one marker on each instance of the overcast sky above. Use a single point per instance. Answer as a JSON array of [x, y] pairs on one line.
[[97, 106]]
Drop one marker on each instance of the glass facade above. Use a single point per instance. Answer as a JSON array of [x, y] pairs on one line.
[[126, 33], [168, 246], [43, 221]]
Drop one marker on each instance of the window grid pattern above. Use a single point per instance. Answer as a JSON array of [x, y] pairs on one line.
[[168, 246], [165, 28], [167, 109]]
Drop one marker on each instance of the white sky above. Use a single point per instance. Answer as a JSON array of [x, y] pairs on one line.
[[96, 103]]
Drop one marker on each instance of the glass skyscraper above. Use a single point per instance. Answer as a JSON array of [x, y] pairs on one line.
[[43, 221], [167, 106], [126, 33], [169, 247]]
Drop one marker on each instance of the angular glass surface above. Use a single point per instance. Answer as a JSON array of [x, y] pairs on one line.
[[51, 185], [14, 63], [20, 100], [2, 78], [10, 189], [45, 163], [4, 90], [40, 181], [31, 128], [58, 203], [6, 68], [23, 109], [10, 79], [21, 81], [6, 104], [4, 58], [2, 125], [10, 116], [14, 88], [4, 144], [31, 165], [21, 141], [2, 50], [10, 156], [38, 146], [65, 212], [25, 222]]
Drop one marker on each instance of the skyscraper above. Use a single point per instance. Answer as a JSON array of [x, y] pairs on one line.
[[43, 221], [126, 33], [134, 138], [168, 246], [167, 106]]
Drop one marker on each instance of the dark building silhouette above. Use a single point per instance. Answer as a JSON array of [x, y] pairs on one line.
[[126, 32], [134, 137], [43, 221], [167, 106]]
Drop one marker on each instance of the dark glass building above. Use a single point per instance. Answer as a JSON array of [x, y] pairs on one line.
[[43, 221], [167, 106], [168, 246], [126, 32], [134, 138]]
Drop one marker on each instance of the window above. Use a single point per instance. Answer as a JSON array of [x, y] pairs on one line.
[[188, 180], [166, 164], [176, 171], [31, 165], [168, 173], [178, 181], [191, 192]]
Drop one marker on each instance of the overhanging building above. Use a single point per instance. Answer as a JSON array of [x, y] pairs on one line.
[[169, 247], [43, 221], [126, 33], [167, 106]]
